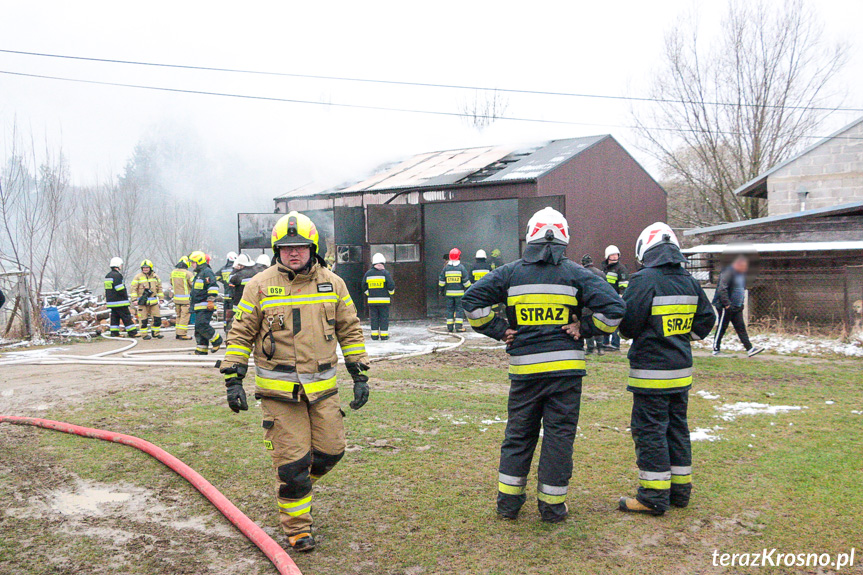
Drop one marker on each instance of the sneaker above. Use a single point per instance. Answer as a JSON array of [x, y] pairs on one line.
[[754, 351], [715, 352], [302, 542]]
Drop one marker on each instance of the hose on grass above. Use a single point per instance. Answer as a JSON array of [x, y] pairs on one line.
[[274, 552]]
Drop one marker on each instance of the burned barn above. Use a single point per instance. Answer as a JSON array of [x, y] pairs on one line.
[[416, 210]]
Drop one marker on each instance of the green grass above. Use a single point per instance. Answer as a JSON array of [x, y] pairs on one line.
[[424, 501]]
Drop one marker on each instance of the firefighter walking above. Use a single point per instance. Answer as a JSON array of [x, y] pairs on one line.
[[204, 293], [379, 287], [290, 319], [147, 289], [665, 310], [452, 282], [544, 293], [117, 300], [181, 284]]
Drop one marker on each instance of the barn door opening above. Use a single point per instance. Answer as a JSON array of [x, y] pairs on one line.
[[349, 226], [396, 232]]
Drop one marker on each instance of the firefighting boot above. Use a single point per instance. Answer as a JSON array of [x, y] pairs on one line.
[[302, 542], [375, 336], [553, 513], [216, 343], [633, 505]]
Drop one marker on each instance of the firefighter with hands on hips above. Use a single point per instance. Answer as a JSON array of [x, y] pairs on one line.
[[244, 271], [452, 282], [291, 318], [117, 300], [618, 276], [665, 310], [204, 292], [544, 293], [181, 283], [147, 289], [379, 287]]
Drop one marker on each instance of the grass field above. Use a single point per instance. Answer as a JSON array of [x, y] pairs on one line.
[[415, 492]]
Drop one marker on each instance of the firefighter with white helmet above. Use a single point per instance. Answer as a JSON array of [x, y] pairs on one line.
[[147, 289], [291, 318], [617, 276], [224, 276], [262, 262], [117, 300], [379, 287], [481, 266], [452, 282], [665, 310], [244, 271], [205, 289], [544, 293]]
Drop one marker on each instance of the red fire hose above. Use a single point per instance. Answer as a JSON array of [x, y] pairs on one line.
[[256, 535]]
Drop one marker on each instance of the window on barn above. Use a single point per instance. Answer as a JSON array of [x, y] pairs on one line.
[[388, 251], [407, 252], [349, 254]]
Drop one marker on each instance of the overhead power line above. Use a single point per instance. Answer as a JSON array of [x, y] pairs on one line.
[[424, 84], [363, 106]]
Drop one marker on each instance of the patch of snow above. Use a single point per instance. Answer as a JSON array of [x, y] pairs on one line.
[[706, 394], [493, 421], [704, 434], [791, 344], [829, 402], [731, 411], [855, 412]]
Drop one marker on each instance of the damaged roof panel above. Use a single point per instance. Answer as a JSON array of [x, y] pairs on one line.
[[545, 159]]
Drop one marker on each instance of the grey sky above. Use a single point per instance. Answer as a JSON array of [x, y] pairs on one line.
[[573, 46]]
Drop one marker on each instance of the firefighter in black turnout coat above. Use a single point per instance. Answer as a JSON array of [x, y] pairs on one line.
[[665, 309], [379, 287], [544, 293], [117, 300]]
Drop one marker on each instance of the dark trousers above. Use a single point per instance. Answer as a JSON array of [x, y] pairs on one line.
[[205, 334], [122, 315], [454, 312], [612, 339], [379, 317], [662, 449], [735, 318], [551, 404]]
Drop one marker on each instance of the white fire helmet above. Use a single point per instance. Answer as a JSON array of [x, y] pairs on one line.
[[547, 225], [264, 260], [611, 250], [378, 259], [243, 261], [116, 262], [232, 256], [480, 254], [652, 236]]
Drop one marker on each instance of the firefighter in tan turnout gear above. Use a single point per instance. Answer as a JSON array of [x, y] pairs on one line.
[[147, 289], [290, 318], [181, 282]]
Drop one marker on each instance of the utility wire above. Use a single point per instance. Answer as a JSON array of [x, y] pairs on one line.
[[426, 84], [367, 107]]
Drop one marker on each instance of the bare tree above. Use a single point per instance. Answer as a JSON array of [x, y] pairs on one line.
[[181, 230], [728, 111], [484, 108]]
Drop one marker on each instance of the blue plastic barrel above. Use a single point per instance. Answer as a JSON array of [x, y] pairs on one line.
[[51, 319]]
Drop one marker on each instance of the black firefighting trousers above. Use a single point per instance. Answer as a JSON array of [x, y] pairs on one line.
[[550, 403], [662, 449], [205, 334], [122, 314], [735, 318], [454, 312], [379, 317]]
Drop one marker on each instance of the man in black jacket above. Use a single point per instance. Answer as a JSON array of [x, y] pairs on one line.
[[729, 299], [665, 309], [117, 300], [543, 293], [617, 276]]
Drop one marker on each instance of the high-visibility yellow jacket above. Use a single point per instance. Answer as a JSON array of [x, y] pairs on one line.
[[292, 324], [149, 281], [181, 283]]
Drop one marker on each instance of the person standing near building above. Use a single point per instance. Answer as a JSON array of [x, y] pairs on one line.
[[480, 268], [545, 294], [495, 261], [452, 282], [617, 275], [181, 283], [244, 271], [592, 344], [263, 262], [147, 289], [204, 293], [665, 310], [290, 319], [379, 287], [224, 276], [729, 299], [117, 300]]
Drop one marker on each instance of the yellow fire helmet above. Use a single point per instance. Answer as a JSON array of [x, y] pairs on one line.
[[199, 258], [295, 229], [147, 264], [185, 260]]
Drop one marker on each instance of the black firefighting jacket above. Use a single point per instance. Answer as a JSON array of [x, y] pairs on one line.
[[665, 309], [115, 291], [479, 270], [378, 285], [542, 291], [237, 283], [204, 287], [453, 280], [617, 275]]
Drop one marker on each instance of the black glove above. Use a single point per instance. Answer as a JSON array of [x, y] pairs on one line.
[[361, 383], [234, 382]]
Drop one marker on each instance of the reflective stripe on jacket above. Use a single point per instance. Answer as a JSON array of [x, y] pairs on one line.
[[115, 291], [150, 282], [378, 286], [204, 287], [181, 283], [453, 279], [479, 270], [617, 275]]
